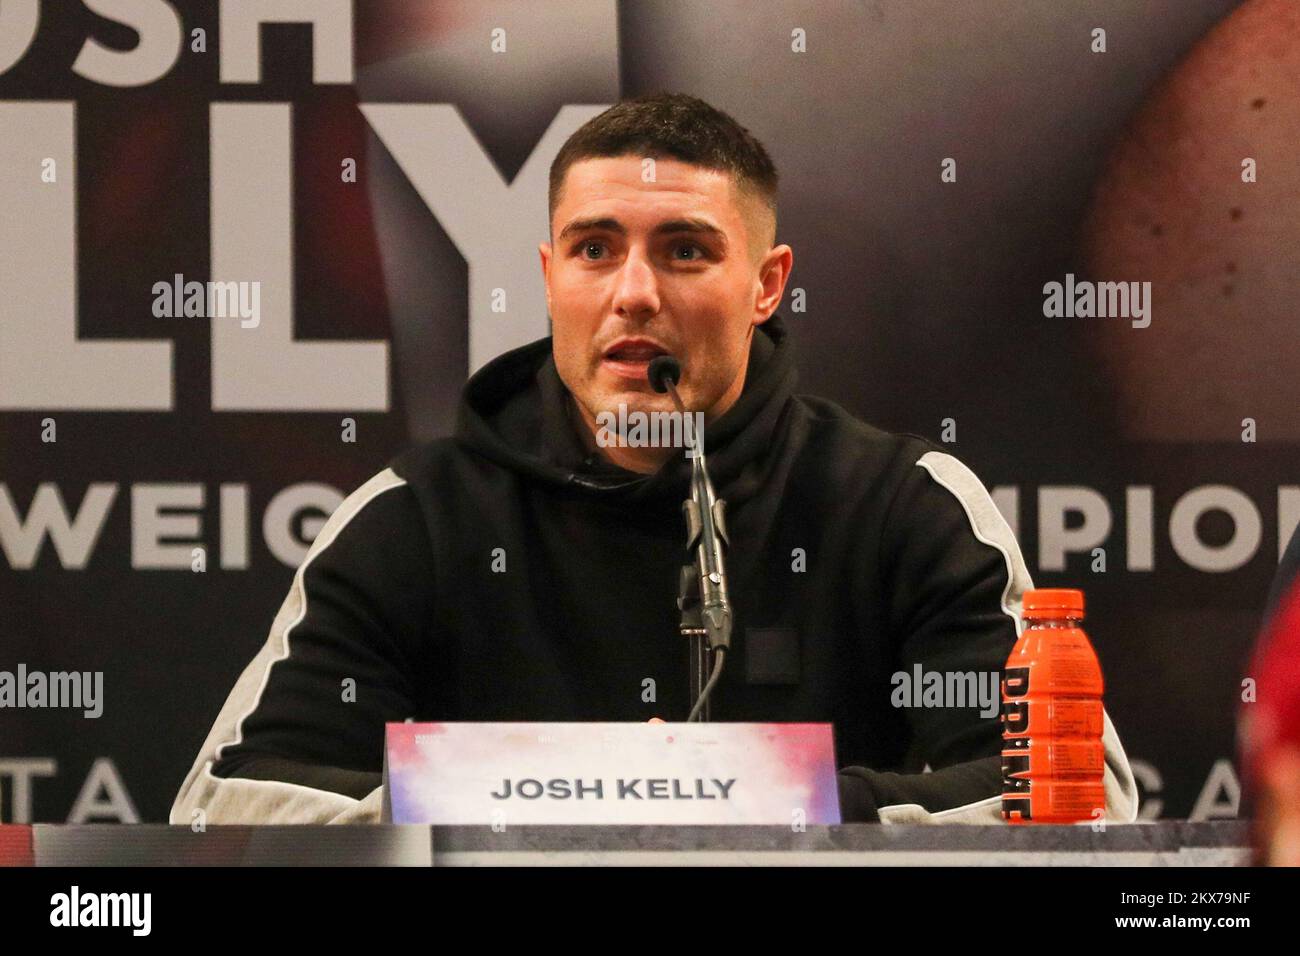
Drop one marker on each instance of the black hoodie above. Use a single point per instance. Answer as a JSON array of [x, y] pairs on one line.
[[506, 574]]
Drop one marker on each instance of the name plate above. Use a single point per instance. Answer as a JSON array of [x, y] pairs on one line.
[[503, 774]]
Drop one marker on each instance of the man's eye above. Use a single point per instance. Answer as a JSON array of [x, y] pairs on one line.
[[688, 248], [587, 247]]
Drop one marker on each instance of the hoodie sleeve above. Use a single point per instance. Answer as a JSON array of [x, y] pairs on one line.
[[300, 738], [954, 578]]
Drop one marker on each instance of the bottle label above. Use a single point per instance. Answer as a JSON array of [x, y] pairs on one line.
[[1053, 760], [1074, 717]]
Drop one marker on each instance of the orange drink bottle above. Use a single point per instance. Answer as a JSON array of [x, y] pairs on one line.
[[1052, 755]]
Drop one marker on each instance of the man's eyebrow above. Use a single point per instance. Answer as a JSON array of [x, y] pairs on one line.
[[674, 226], [582, 225], [669, 227]]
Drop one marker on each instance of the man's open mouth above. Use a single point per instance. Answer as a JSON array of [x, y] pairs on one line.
[[633, 353]]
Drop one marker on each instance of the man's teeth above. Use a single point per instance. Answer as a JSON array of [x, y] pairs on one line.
[[634, 355]]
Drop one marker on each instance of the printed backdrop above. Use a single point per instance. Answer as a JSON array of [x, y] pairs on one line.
[[380, 172]]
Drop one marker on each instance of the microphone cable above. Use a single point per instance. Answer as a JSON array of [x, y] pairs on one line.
[[719, 656]]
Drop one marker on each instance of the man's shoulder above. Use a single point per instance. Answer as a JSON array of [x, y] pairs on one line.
[[833, 430], [418, 463], [910, 475]]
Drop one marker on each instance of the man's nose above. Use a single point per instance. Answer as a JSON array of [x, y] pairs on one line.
[[637, 290]]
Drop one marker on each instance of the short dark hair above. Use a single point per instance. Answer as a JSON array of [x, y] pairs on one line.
[[672, 125]]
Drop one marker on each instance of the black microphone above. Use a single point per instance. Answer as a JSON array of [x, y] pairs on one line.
[[706, 534], [664, 368]]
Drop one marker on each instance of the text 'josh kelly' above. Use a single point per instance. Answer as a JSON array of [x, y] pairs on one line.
[[623, 788]]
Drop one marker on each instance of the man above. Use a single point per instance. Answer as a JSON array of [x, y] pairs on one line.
[[527, 568]]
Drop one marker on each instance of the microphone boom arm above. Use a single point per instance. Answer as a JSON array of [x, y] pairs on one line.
[[703, 598]]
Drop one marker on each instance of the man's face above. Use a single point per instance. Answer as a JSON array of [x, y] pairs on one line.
[[642, 268]]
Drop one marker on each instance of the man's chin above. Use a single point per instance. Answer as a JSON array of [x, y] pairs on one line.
[[645, 400]]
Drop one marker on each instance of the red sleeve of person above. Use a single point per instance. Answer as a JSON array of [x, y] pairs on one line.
[[1270, 721]]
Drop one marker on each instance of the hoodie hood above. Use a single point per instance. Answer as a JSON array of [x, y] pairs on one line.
[[517, 412]]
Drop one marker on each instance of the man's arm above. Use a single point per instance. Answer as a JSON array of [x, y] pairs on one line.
[[300, 738], [955, 577]]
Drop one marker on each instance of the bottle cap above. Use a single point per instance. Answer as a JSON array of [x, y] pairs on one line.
[[1043, 603]]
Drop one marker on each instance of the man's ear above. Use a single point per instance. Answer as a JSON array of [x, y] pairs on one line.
[[544, 251], [773, 272]]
